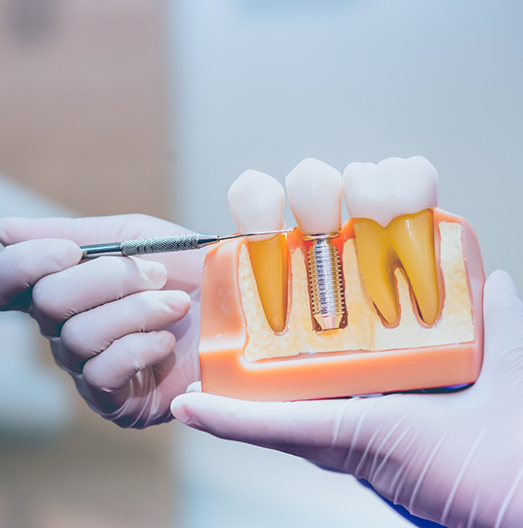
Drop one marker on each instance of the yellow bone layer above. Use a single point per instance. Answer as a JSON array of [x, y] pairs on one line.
[[269, 265], [408, 242]]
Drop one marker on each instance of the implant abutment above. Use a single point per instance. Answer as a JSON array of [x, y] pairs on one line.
[[326, 289]]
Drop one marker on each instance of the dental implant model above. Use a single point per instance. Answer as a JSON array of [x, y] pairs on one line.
[[402, 312], [256, 201], [314, 190]]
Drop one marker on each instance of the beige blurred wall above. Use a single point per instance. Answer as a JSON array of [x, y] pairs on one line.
[[83, 122], [82, 102]]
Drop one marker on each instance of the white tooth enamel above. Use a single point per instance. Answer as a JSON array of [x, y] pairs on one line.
[[256, 201], [393, 187], [314, 190]]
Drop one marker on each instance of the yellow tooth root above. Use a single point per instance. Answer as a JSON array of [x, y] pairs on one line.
[[269, 264], [376, 262], [408, 241]]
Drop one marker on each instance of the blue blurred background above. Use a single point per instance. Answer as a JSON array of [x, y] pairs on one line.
[[157, 106]]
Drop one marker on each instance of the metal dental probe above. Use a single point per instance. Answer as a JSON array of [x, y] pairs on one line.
[[148, 246]]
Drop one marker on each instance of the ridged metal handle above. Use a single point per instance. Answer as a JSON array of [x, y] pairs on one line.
[[326, 284], [160, 245]]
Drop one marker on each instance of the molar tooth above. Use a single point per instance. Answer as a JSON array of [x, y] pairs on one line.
[[392, 205], [256, 201]]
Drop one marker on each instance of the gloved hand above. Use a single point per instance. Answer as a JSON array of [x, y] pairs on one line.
[[454, 458], [112, 322]]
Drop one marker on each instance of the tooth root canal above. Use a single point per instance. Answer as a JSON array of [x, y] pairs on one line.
[[408, 241], [256, 201]]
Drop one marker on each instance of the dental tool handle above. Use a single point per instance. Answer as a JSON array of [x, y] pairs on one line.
[[148, 246]]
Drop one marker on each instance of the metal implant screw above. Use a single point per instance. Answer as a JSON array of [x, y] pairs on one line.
[[325, 281]]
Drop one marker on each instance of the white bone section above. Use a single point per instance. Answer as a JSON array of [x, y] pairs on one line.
[[314, 190], [256, 201], [393, 187]]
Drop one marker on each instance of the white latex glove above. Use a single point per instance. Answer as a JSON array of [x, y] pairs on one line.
[[454, 458], [113, 321]]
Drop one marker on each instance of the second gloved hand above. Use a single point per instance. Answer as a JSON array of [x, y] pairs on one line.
[[454, 458], [125, 329]]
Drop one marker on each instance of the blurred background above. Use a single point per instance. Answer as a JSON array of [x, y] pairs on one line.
[[156, 107]]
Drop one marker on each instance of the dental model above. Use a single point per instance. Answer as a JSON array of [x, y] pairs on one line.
[[411, 280], [314, 190]]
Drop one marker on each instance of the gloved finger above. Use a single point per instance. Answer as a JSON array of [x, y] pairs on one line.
[[59, 296], [90, 333], [83, 231], [109, 372], [22, 265], [503, 319]]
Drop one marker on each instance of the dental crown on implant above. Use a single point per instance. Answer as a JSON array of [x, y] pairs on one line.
[[314, 190]]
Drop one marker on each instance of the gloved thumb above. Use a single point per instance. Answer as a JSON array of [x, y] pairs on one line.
[[503, 319], [303, 428]]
